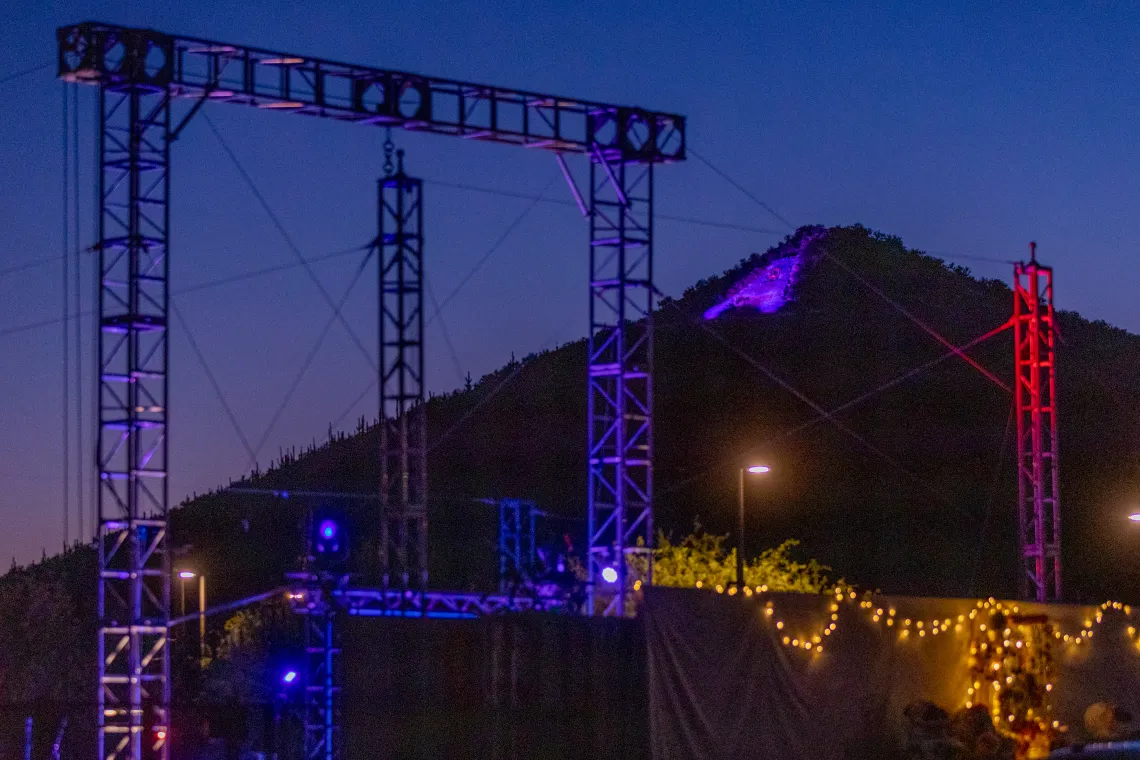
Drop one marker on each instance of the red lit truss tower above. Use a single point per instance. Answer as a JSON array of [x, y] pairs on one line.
[[1038, 505]]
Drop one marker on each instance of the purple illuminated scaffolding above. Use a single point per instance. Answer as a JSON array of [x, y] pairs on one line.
[[141, 74], [133, 592]]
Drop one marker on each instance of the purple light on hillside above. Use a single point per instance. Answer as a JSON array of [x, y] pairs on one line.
[[290, 676], [327, 529], [765, 288]]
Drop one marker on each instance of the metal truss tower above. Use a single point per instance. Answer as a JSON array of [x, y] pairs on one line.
[[322, 683], [403, 419], [1038, 505], [517, 550], [138, 72], [620, 361], [131, 450]]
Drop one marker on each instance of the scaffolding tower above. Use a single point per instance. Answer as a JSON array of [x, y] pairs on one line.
[[1038, 502]]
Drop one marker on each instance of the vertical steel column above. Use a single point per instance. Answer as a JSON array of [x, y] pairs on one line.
[[1038, 504], [403, 422], [131, 449], [620, 362], [510, 544], [322, 685]]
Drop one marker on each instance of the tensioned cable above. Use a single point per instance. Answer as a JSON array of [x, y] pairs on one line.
[[918, 322], [30, 265], [312, 355], [495, 391], [194, 288], [490, 252], [16, 75], [741, 188], [857, 400], [289, 241], [443, 329], [755, 364], [272, 270], [562, 202], [65, 319], [210, 376], [922, 325], [955, 351], [991, 499], [546, 344], [81, 467]]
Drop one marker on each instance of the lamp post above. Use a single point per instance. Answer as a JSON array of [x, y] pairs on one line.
[[183, 576], [756, 469]]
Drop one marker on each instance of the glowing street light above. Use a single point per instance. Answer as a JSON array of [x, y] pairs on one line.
[[609, 575], [183, 576], [756, 469]]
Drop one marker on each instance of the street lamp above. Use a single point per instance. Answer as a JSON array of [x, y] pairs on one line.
[[756, 469], [183, 576]]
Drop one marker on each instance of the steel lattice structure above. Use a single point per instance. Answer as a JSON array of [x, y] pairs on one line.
[[441, 604], [132, 443], [620, 368], [517, 549], [403, 419], [140, 72], [1038, 503], [322, 684]]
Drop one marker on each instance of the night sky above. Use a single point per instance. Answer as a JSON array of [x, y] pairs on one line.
[[966, 130]]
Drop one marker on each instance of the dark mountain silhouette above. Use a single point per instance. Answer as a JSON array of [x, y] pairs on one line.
[[901, 492], [911, 491]]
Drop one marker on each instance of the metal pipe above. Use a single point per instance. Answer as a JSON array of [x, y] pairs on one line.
[[202, 619], [740, 535]]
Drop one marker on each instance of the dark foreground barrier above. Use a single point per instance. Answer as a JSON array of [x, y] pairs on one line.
[[758, 677], [512, 687]]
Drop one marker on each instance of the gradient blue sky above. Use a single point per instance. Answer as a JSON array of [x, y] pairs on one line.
[[964, 128]]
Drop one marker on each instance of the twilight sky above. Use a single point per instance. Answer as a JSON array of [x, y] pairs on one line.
[[963, 129]]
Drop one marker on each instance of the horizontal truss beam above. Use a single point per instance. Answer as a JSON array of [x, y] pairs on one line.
[[109, 55]]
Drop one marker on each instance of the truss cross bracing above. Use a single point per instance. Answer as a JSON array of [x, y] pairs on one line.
[[1038, 504], [139, 72], [620, 369], [403, 421], [134, 567], [517, 548], [322, 684]]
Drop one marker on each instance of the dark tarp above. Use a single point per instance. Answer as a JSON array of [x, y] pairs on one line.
[[723, 685], [511, 687]]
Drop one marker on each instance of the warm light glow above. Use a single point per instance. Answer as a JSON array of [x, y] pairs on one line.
[[1134, 517], [759, 468], [186, 573]]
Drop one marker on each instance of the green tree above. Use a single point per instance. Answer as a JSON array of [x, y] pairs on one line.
[[701, 560]]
